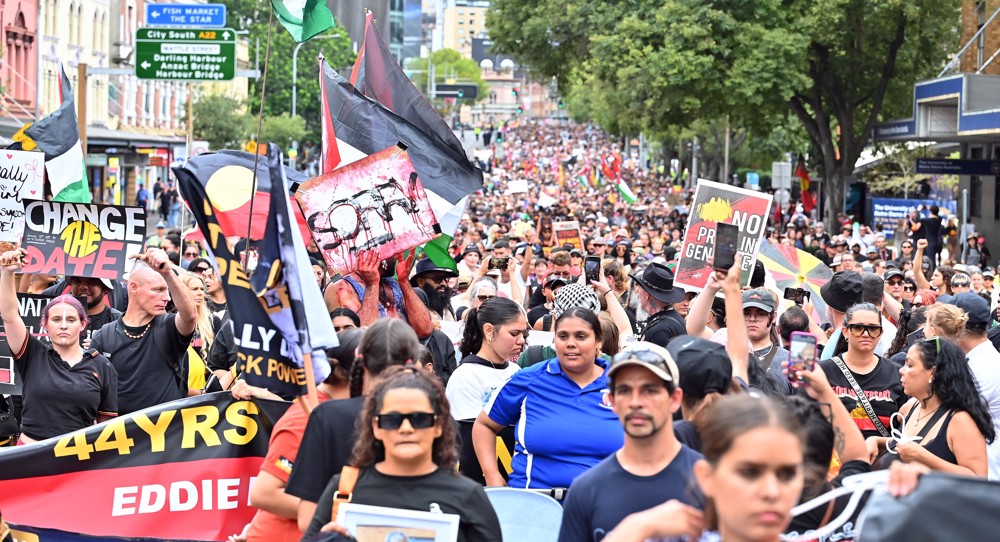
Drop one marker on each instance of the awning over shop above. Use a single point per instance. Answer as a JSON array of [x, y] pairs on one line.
[[960, 108]]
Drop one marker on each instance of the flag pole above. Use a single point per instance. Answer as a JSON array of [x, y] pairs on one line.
[[311, 399], [260, 122]]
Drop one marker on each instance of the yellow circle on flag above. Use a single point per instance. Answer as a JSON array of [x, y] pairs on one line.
[[230, 187]]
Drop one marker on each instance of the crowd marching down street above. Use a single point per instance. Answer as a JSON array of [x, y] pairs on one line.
[[582, 347]]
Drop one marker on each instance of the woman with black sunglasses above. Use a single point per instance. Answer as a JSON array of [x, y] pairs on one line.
[[865, 382], [406, 452]]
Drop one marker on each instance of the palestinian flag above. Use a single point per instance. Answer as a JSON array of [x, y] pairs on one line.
[[303, 19], [623, 188], [58, 136]]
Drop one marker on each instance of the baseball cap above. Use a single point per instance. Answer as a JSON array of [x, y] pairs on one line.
[[759, 298], [892, 272], [704, 366], [653, 357], [976, 307]]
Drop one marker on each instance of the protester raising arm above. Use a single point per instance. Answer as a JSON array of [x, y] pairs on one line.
[[187, 310], [615, 308], [809, 308], [918, 266], [417, 314], [9, 309], [738, 342], [848, 440], [700, 309], [368, 264]]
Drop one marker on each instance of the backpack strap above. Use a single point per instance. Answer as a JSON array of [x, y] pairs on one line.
[[345, 489]]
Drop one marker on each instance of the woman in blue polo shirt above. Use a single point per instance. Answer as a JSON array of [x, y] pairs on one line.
[[563, 425], [65, 388]]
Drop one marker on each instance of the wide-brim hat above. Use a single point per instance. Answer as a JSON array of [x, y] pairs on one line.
[[427, 266], [658, 281]]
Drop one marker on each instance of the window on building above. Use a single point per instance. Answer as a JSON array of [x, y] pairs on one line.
[[981, 40], [96, 32], [493, 97]]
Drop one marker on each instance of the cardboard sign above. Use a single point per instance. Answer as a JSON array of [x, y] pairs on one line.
[[714, 203], [21, 176], [377, 203], [30, 306], [82, 239], [568, 233], [517, 187]]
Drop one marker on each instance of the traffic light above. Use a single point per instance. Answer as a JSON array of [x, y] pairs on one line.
[[520, 110], [561, 104], [461, 93], [457, 90], [514, 92]]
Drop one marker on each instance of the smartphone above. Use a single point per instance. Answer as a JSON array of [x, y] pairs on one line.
[[498, 263], [796, 295], [801, 354], [592, 268], [726, 241]]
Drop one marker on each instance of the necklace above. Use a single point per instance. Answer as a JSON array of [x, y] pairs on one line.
[[924, 416], [139, 336], [767, 353]]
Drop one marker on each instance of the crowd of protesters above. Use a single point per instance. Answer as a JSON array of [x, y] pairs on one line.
[[647, 409]]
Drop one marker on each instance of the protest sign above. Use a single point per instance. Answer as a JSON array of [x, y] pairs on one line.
[[30, 306], [377, 203], [177, 471], [21, 176], [568, 233], [517, 187], [714, 203], [82, 239]]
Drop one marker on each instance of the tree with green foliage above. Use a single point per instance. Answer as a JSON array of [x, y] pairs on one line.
[[335, 45], [449, 65], [283, 129], [221, 121], [840, 66]]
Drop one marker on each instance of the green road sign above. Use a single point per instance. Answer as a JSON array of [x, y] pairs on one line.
[[195, 54]]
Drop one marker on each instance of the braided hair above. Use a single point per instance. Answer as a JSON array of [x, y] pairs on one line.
[[387, 342]]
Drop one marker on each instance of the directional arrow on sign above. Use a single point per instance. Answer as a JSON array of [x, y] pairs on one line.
[[154, 14], [145, 64], [225, 35]]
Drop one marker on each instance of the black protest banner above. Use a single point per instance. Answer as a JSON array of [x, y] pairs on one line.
[[177, 471], [263, 355], [82, 239], [31, 306]]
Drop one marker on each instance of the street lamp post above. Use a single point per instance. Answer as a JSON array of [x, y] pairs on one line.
[[295, 69]]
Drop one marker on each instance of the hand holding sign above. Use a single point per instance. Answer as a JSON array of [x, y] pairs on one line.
[[404, 265], [368, 264], [13, 260], [156, 259]]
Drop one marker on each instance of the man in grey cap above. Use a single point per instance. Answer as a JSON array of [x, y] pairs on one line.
[[651, 468], [759, 313]]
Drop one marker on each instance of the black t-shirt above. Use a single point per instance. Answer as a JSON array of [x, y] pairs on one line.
[[881, 386], [931, 226], [812, 519], [152, 370], [58, 398], [326, 447], [537, 312], [599, 499], [687, 434], [455, 494], [662, 327], [97, 321]]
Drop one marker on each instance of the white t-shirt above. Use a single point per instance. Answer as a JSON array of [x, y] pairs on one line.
[[471, 385], [984, 360]]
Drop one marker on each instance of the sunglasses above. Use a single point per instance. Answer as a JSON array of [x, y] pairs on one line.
[[646, 356], [961, 284], [394, 420], [484, 297], [859, 329], [909, 289], [893, 282], [191, 254], [937, 344]]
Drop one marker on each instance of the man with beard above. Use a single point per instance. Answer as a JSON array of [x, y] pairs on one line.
[[146, 345], [651, 468], [392, 298], [657, 296], [92, 293], [432, 282]]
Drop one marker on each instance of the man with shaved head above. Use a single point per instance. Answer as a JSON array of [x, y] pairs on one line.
[[147, 346]]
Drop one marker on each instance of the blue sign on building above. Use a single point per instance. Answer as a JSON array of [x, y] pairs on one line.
[[188, 15], [941, 166]]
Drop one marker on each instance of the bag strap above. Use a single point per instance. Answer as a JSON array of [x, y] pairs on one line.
[[345, 489], [862, 398], [930, 423]]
